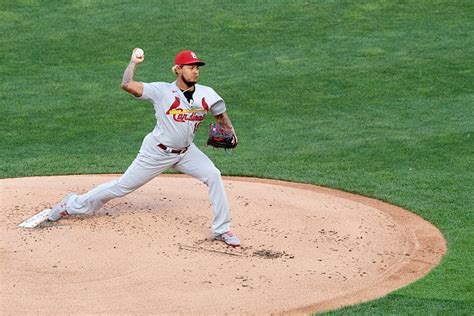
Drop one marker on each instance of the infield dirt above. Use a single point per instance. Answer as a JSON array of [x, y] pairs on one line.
[[304, 248]]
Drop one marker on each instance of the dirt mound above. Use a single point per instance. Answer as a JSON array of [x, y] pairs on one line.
[[304, 248]]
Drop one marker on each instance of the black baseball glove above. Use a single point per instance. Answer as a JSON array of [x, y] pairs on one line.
[[221, 137]]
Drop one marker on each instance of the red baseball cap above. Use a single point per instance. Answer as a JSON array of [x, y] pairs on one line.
[[187, 57]]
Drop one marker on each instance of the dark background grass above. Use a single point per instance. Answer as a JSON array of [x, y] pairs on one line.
[[372, 97]]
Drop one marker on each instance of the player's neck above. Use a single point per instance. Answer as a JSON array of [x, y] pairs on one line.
[[184, 86]]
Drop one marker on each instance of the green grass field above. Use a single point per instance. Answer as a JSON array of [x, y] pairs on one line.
[[373, 97]]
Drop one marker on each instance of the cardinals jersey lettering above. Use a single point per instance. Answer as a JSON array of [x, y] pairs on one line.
[[177, 120]]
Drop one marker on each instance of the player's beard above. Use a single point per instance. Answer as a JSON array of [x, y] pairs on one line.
[[190, 84]]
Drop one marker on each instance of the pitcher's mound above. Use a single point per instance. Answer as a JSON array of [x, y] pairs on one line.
[[304, 248]]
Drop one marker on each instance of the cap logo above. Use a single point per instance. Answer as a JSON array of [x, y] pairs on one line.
[[193, 55]]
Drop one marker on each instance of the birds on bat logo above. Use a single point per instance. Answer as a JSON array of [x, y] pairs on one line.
[[183, 115]]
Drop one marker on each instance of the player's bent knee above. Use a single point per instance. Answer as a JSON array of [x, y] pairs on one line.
[[213, 174]]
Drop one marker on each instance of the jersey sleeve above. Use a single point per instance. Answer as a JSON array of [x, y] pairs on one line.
[[218, 105], [151, 91]]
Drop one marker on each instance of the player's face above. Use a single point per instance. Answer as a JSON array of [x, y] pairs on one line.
[[190, 73]]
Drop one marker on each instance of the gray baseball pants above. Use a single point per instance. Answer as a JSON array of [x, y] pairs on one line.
[[150, 162]]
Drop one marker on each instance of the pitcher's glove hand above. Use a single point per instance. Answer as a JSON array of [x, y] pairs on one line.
[[221, 136]]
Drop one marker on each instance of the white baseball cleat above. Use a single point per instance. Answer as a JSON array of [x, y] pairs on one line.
[[228, 238], [36, 220], [59, 210]]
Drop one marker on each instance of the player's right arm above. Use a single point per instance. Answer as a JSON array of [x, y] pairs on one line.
[[128, 83]]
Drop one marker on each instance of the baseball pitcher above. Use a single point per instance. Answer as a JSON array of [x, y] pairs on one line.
[[180, 107]]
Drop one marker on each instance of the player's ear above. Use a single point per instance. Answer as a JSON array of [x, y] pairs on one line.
[[175, 69]]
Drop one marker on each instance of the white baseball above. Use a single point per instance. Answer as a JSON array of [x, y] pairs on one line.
[[139, 53]]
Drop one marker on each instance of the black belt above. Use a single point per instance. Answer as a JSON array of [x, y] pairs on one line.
[[173, 151]]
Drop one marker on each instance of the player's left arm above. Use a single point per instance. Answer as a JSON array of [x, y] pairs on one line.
[[224, 120]]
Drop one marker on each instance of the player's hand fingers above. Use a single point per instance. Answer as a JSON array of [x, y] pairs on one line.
[[138, 56], [235, 141]]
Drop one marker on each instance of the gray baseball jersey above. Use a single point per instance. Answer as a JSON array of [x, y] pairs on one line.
[[176, 123], [177, 120]]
